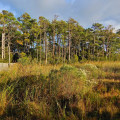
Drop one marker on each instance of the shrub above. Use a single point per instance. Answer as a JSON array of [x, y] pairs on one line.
[[91, 70], [68, 86], [75, 59], [68, 81], [55, 60], [22, 54], [25, 60]]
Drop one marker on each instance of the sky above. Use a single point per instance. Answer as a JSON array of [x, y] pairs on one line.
[[86, 12]]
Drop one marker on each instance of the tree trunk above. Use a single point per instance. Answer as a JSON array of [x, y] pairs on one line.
[[103, 47], [88, 52], [3, 45], [109, 49], [62, 52], [9, 53], [40, 47], [107, 45], [53, 43], [59, 50], [83, 55], [69, 41], [37, 54], [45, 47], [57, 45], [79, 50], [94, 48]]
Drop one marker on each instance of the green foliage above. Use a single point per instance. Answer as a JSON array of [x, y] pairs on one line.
[[22, 54], [24, 60], [49, 42], [75, 59], [68, 81], [55, 60], [91, 70]]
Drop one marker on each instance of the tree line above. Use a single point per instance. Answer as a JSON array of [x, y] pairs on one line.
[[57, 40]]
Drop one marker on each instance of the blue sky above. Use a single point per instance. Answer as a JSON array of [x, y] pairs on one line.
[[86, 12]]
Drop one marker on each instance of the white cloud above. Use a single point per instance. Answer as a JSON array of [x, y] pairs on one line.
[[85, 12], [101, 10], [114, 24]]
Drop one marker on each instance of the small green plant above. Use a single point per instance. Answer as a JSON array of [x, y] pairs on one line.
[[24, 60], [75, 59]]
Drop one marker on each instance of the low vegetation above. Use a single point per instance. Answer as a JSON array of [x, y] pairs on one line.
[[87, 91]]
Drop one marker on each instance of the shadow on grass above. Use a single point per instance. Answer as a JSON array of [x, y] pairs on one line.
[[111, 85], [105, 115], [32, 88]]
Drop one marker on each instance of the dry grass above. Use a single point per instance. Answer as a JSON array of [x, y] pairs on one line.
[[29, 88]]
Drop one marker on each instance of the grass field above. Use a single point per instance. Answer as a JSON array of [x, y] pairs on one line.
[[80, 91]]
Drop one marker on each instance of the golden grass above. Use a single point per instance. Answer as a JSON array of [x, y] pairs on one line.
[[3, 102], [40, 108], [19, 70], [111, 80], [111, 94], [101, 63], [109, 108]]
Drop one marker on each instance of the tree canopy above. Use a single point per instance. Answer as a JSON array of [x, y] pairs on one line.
[[58, 40]]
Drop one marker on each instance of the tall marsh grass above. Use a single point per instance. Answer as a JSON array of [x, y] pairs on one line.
[[62, 92]]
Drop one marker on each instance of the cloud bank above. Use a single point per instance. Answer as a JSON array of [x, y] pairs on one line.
[[86, 12]]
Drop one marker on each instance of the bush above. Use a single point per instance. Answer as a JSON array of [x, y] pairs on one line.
[[67, 87], [75, 59], [91, 70], [25, 60], [68, 81], [55, 60]]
